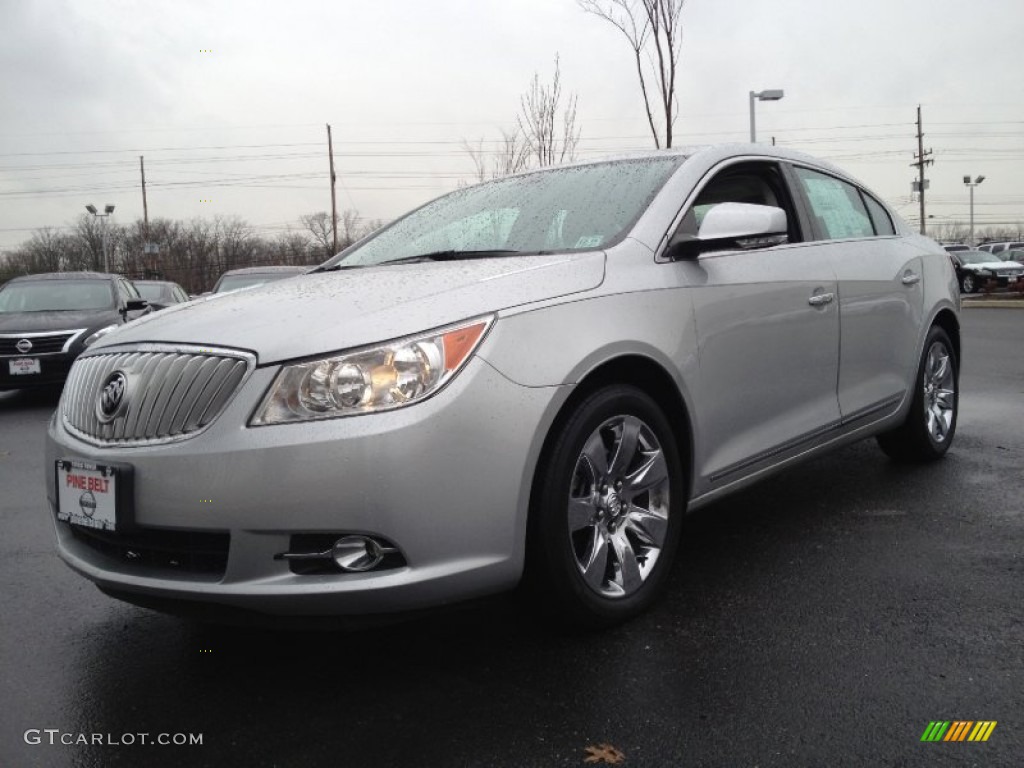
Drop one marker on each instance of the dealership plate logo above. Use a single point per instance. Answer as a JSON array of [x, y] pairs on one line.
[[87, 503], [24, 346], [113, 398]]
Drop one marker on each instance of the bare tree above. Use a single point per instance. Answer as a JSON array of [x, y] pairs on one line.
[[647, 25], [512, 154], [549, 140], [319, 225]]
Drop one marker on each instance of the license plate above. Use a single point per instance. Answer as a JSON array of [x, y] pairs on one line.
[[24, 365], [87, 494]]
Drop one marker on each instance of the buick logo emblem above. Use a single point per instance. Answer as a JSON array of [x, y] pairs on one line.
[[24, 346], [113, 397]]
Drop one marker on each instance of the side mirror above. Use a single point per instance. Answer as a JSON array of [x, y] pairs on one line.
[[134, 305], [725, 226]]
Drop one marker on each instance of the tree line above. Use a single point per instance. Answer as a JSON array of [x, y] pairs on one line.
[[192, 253]]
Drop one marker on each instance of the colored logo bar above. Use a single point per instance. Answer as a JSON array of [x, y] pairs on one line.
[[958, 730]]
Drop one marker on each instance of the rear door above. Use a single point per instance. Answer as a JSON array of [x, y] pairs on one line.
[[880, 294]]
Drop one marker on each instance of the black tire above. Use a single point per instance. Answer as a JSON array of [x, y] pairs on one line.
[[968, 283], [570, 485], [926, 435]]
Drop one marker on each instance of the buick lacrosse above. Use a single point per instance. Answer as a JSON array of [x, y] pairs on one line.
[[529, 380]]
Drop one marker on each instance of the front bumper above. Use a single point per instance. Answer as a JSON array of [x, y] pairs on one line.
[[446, 480]]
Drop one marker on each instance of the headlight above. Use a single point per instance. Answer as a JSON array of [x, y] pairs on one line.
[[379, 378], [94, 337]]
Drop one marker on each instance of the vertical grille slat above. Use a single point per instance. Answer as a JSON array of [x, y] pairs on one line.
[[172, 392], [203, 381], [190, 375]]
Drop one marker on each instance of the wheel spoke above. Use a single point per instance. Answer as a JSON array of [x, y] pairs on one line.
[[938, 423], [596, 455], [939, 368], [581, 513], [597, 562], [626, 446], [652, 473], [649, 527], [628, 572], [944, 398]]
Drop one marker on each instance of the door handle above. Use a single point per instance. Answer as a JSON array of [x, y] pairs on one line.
[[910, 278], [821, 299]]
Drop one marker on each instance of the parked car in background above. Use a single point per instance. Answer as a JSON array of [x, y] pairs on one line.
[[234, 279], [996, 248], [532, 379], [1013, 254], [979, 269], [47, 320], [161, 293], [954, 247]]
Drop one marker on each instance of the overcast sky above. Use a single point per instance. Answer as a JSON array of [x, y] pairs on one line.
[[228, 100]]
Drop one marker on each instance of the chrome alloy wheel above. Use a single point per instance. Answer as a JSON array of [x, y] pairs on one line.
[[618, 506], [939, 392]]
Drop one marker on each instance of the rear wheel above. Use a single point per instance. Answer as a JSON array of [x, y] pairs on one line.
[[931, 423], [606, 510]]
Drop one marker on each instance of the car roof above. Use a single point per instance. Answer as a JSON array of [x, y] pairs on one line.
[[64, 276], [154, 282], [711, 153]]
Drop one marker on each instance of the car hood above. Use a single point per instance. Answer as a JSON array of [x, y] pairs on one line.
[[995, 264], [62, 320], [319, 313]]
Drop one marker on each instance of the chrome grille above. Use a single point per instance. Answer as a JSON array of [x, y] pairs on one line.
[[42, 343], [172, 392]]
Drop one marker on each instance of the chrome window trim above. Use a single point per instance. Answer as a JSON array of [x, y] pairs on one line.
[[249, 358], [75, 333]]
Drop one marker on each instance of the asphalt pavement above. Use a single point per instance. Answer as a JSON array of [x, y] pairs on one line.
[[822, 618]]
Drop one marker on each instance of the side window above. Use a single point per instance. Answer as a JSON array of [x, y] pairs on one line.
[[879, 216], [836, 205]]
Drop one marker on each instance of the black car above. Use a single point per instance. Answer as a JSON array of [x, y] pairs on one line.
[[161, 293], [247, 277], [48, 320], [979, 269]]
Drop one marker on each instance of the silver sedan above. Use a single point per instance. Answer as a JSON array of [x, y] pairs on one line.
[[530, 380]]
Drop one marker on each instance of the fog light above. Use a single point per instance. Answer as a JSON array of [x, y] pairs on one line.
[[356, 553]]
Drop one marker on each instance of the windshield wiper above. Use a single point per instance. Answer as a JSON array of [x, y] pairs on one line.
[[448, 255]]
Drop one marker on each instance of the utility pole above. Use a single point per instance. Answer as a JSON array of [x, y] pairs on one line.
[[921, 159], [148, 256], [334, 200], [145, 207]]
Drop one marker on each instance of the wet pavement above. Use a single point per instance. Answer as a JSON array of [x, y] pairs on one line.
[[824, 617]]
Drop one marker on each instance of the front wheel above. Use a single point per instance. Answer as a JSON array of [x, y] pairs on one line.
[[606, 509], [969, 284], [928, 431]]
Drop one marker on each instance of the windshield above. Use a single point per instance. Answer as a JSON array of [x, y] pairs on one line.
[[1012, 255], [150, 291], [576, 208], [51, 295]]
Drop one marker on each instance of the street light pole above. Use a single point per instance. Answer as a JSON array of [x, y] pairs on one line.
[[107, 210], [769, 95], [971, 185]]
